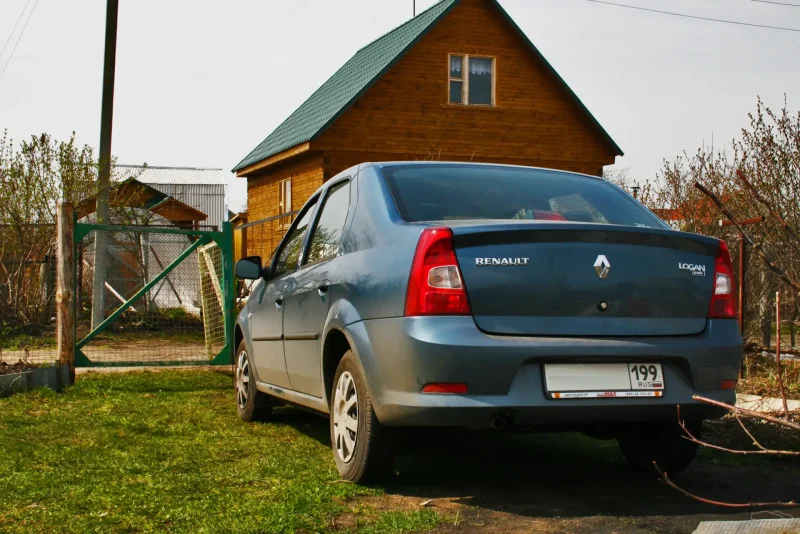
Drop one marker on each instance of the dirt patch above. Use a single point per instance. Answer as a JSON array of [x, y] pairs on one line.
[[364, 508], [144, 350], [729, 434], [11, 368], [152, 369]]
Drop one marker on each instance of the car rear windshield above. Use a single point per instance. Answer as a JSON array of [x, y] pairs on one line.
[[441, 192]]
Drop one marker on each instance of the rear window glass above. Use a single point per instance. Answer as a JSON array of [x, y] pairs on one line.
[[460, 192]]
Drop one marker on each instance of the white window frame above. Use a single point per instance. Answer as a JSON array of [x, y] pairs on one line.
[[465, 79], [284, 196], [285, 200]]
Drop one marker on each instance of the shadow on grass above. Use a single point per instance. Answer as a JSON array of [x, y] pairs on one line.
[[307, 423], [563, 475], [570, 475]]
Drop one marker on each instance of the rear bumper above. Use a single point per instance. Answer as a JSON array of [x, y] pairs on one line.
[[504, 373]]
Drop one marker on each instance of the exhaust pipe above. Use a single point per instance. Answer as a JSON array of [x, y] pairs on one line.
[[499, 423]]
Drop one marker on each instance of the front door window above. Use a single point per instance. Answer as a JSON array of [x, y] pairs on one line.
[[289, 254]]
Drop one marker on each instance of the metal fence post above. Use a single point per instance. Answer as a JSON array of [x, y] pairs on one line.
[[65, 294], [229, 289]]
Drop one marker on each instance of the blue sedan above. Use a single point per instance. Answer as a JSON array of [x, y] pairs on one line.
[[418, 294]]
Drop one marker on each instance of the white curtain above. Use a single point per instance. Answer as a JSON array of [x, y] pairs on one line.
[[455, 66], [480, 66]]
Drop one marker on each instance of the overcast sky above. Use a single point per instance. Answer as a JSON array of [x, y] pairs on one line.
[[201, 82]]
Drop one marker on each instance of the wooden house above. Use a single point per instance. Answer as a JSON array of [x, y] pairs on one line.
[[459, 82]]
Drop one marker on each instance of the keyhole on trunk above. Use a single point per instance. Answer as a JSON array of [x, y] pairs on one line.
[[603, 306]]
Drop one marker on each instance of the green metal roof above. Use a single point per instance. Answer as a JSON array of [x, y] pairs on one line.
[[365, 68]]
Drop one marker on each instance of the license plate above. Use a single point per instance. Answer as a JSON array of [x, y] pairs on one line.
[[604, 380], [646, 376]]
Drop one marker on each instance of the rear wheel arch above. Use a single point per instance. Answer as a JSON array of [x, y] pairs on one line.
[[238, 337], [335, 346]]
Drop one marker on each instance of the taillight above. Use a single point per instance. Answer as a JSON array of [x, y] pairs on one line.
[[435, 286], [723, 303]]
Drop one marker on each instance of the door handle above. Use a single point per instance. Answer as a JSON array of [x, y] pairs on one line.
[[278, 301], [322, 288]]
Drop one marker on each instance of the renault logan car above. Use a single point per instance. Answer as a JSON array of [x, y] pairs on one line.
[[419, 294]]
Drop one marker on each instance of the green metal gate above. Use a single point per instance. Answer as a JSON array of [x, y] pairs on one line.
[[167, 296]]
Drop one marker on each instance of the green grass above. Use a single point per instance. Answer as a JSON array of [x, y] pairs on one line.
[[21, 341], [165, 452]]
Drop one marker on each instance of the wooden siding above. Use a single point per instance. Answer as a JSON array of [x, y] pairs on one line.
[[405, 114], [306, 173]]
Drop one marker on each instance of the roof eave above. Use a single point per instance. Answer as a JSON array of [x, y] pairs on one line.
[[272, 160]]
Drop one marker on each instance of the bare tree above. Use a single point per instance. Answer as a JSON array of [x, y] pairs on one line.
[[34, 176], [757, 175]]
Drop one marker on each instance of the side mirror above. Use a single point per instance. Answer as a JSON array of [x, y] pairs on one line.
[[249, 268]]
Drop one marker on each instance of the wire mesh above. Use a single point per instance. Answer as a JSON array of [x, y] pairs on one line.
[[27, 293], [163, 324], [212, 297]]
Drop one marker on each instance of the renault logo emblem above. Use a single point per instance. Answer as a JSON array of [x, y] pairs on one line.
[[602, 266]]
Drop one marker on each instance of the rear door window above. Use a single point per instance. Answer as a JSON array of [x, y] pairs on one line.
[[327, 235], [445, 192]]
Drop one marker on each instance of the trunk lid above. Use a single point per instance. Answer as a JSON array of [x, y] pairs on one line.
[[540, 279]]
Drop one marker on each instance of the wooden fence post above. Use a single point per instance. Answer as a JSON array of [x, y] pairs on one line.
[[65, 296]]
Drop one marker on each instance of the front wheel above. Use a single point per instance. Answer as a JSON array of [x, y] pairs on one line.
[[360, 445], [251, 404], [662, 443]]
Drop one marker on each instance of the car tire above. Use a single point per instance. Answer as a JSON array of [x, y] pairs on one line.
[[360, 444], [251, 404], [662, 443]]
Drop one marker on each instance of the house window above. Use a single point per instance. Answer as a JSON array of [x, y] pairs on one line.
[[285, 196], [471, 80]]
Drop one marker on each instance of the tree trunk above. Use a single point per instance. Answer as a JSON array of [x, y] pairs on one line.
[[765, 310]]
